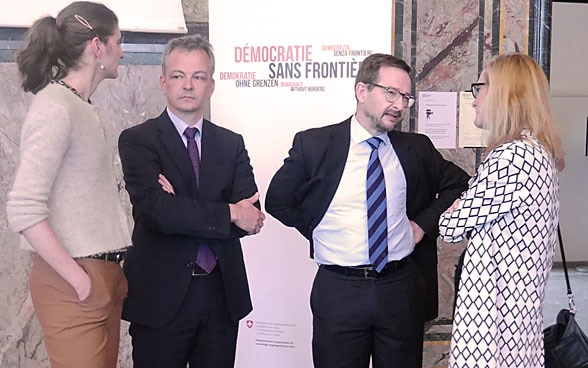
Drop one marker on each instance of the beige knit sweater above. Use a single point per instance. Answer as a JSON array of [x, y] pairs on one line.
[[66, 175]]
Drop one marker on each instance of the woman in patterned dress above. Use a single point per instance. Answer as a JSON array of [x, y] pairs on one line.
[[510, 214]]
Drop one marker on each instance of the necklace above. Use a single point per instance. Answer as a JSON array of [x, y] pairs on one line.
[[75, 91]]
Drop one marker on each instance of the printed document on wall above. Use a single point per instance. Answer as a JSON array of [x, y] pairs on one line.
[[437, 117], [469, 134]]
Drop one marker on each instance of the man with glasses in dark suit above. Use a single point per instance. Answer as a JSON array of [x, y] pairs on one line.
[[368, 198]]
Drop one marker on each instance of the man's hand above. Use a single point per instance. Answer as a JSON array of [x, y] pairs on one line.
[[417, 232], [246, 216], [165, 184]]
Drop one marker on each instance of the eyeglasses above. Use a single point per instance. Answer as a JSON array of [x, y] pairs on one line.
[[392, 95], [476, 88]]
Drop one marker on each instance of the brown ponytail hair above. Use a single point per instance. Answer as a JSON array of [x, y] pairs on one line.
[[55, 45]]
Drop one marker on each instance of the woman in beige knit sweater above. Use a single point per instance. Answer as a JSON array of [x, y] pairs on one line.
[[65, 200]]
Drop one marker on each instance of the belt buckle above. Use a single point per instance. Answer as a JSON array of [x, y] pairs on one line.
[[366, 273], [112, 257], [101, 257]]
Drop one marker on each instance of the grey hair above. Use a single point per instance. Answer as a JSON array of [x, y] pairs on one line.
[[188, 43]]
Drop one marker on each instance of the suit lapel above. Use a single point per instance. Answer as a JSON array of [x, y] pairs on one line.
[[174, 144], [337, 152], [333, 164]]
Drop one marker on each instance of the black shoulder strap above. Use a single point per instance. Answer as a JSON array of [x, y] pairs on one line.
[[565, 268]]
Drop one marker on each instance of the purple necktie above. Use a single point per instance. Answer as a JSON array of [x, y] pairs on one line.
[[205, 259]]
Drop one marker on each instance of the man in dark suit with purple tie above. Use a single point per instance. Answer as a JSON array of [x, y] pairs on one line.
[[194, 196]]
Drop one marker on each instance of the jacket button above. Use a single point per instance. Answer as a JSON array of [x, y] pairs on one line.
[[190, 265]]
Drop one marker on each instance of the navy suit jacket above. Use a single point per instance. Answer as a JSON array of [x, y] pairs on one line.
[[168, 228], [302, 189]]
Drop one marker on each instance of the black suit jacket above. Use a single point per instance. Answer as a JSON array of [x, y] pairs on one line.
[[302, 189], [168, 228]]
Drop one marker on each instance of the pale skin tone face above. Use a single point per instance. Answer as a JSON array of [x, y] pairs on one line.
[[374, 113], [112, 54], [187, 84], [86, 77], [479, 101]]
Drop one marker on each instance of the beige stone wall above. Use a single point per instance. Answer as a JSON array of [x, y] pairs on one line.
[[441, 39], [129, 100]]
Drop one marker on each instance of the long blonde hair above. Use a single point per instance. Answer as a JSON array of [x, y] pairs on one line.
[[518, 99]]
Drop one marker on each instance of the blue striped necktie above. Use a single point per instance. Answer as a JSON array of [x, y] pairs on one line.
[[205, 258], [376, 208]]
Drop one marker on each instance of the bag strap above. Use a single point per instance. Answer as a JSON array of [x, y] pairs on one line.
[[571, 303]]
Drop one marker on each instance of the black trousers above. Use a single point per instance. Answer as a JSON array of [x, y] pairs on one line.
[[356, 318], [201, 334]]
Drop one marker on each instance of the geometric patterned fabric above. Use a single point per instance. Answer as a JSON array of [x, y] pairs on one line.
[[376, 208], [205, 258], [510, 214]]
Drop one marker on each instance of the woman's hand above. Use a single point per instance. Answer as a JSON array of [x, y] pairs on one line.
[[453, 206], [45, 242], [83, 286]]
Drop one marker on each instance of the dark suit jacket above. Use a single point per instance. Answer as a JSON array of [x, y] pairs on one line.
[[302, 189], [168, 228]]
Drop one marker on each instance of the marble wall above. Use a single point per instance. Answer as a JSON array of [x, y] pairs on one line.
[[446, 43], [129, 100]]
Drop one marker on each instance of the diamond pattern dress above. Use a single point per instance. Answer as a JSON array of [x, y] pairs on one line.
[[510, 213]]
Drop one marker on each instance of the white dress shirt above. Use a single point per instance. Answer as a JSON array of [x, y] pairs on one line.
[[181, 127], [341, 237]]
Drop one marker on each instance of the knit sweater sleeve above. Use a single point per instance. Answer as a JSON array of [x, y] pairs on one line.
[[44, 140]]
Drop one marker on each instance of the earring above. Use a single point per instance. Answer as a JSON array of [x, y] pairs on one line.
[[101, 66]]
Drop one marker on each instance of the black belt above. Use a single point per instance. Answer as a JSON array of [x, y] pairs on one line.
[[368, 272], [117, 256]]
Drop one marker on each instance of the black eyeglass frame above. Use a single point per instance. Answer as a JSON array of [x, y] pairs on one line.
[[408, 100], [476, 88]]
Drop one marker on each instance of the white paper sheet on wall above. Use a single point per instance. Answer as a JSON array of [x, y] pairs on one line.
[[437, 118], [154, 16], [469, 134]]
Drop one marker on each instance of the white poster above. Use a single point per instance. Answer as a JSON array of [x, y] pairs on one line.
[[469, 134], [279, 70], [437, 117]]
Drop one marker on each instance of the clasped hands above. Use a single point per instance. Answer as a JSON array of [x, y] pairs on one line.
[[244, 214]]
